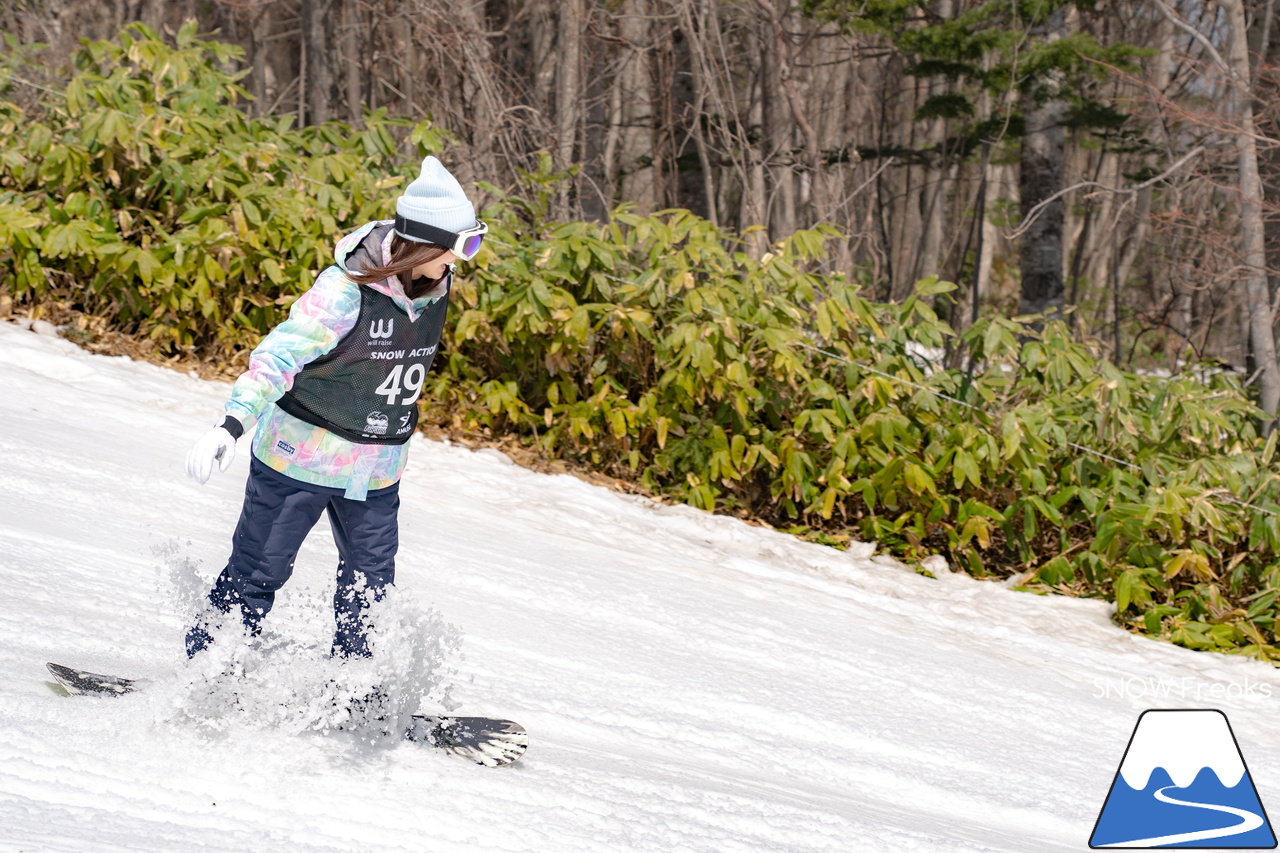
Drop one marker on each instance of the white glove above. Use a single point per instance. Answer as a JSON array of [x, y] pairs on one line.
[[216, 445]]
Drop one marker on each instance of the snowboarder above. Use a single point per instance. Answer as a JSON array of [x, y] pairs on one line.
[[333, 392]]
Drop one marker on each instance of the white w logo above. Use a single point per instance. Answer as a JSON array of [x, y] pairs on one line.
[[377, 331]]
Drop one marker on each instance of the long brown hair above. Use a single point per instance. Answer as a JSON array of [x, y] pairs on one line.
[[405, 255]]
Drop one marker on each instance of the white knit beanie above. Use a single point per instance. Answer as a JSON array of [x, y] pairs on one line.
[[435, 200]]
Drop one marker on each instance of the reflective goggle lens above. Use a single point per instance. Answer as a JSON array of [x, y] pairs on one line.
[[471, 246]]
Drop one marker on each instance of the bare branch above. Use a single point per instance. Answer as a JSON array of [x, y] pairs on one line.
[[1035, 212], [1176, 19]]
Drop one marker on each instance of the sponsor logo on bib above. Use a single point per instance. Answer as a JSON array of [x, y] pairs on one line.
[[376, 423]]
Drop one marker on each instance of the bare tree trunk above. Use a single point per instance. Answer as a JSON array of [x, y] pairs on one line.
[[634, 158], [775, 130], [665, 171], [317, 69], [482, 92], [543, 58], [934, 201], [754, 193], [304, 52], [906, 210], [409, 65], [936, 179], [1264, 47], [1257, 305], [1133, 243], [1041, 177], [568, 88], [259, 29], [983, 233], [352, 40], [726, 123], [932, 219], [782, 21]]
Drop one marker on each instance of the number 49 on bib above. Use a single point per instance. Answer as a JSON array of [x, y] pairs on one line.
[[401, 381]]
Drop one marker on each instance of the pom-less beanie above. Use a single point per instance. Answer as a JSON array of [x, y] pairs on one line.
[[436, 199]]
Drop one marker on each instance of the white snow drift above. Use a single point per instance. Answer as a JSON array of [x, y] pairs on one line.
[[690, 683]]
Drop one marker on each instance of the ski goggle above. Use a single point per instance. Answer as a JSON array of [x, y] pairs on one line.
[[465, 244]]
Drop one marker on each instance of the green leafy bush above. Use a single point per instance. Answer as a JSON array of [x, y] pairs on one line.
[[646, 348], [651, 348], [147, 197]]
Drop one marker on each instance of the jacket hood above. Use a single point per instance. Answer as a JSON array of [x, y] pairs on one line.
[[369, 246]]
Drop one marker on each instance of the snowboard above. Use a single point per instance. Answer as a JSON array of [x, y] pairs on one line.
[[488, 741]]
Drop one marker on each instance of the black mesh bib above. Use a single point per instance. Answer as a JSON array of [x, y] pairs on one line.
[[366, 388]]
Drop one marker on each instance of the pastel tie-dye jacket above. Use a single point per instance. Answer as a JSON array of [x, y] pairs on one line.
[[317, 321]]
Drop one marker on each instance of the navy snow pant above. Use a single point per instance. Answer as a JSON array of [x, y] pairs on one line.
[[278, 513]]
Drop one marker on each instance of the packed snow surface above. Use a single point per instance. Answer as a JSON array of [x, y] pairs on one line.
[[690, 682]]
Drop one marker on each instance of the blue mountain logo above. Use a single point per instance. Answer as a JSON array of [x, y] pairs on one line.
[[1183, 783]]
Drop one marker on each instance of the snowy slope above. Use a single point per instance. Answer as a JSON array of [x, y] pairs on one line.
[[691, 683]]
